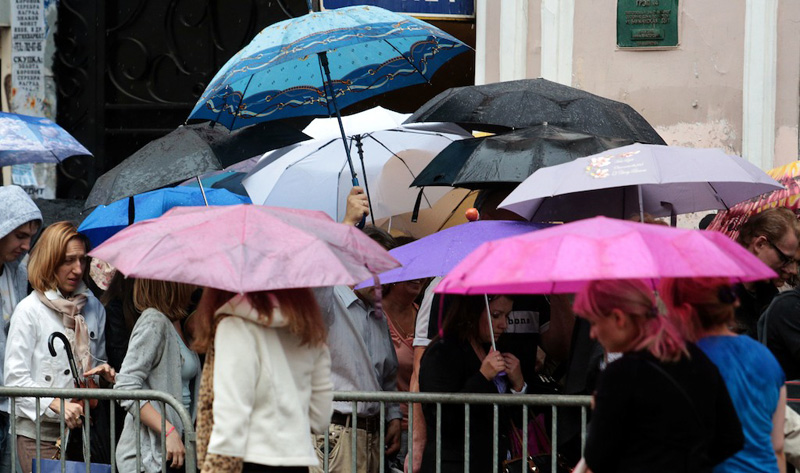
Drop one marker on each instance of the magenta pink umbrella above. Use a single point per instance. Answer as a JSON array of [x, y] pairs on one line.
[[245, 248], [563, 258]]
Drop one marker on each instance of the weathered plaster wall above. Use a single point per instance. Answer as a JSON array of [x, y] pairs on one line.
[[692, 94], [787, 109]]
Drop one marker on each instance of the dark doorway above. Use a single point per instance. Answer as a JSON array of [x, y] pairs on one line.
[[130, 71]]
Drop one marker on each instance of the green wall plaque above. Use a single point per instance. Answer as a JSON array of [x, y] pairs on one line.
[[647, 23]]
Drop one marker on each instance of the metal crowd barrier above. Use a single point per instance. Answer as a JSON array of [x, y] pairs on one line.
[[382, 398], [163, 400], [523, 400]]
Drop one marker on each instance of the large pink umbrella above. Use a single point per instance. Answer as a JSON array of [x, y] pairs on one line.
[[245, 248], [563, 258]]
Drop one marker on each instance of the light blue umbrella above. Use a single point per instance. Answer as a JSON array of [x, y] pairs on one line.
[[281, 73], [25, 139], [107, 220], [316, 64]]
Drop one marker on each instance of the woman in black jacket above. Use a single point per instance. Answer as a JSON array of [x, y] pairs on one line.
[[661, 407], [462, 361]]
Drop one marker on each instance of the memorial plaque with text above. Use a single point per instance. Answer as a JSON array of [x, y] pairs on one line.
[[647, 23]]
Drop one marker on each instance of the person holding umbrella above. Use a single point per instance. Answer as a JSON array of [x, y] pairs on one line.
[[61, 302], [661, 407], [462, 360]]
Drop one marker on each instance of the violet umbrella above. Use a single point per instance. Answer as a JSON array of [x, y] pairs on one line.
[[245, 248], [440, 252], [564, 258]]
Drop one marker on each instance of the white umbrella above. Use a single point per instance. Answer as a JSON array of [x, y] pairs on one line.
[[314, 175], [374, 119], [660, 180]]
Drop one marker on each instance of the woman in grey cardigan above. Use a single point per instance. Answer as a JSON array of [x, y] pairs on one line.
[[157, 358]]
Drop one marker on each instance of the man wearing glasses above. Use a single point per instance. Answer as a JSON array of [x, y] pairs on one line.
[[772, 236]]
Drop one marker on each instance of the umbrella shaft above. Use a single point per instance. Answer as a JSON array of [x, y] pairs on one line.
[[323, 60]]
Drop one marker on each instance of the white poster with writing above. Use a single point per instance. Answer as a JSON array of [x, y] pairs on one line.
[[28, 95]]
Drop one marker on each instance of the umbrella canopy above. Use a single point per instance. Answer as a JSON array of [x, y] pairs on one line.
[[564, 258], [509, 158], [376, 118], [311, 175], [187, 152], [730, 221], [107, 220], [439, 253], [529, 102], [672, 180], [245, 248], [280, 74], [447, 212], [25, 139]]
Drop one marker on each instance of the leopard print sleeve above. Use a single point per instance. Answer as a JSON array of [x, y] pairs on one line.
[[221, 464]]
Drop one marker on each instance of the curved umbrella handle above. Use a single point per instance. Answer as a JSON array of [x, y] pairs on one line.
[[64, 340], [68, 348]]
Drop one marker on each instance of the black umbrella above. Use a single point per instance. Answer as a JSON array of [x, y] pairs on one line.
[[187, 152], [529, 102], [509, 158]]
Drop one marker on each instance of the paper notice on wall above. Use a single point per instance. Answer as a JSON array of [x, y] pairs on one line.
[[23, 175], [28, 95], [28, 35]]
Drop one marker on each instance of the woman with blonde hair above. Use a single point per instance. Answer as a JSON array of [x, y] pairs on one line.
[[158, 358], [60, 302], [704, 309], [266, 382], [662, 406]]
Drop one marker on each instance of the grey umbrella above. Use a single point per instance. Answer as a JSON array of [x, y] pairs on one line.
[[660, 180], [187, 152], [529, 102]]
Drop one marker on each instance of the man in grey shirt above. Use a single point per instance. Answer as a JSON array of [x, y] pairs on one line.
[[362, 359]]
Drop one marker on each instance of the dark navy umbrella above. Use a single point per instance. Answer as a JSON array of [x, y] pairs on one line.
[[478, 163]]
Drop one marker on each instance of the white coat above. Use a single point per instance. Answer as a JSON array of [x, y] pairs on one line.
[[28, 362], [270, 392]]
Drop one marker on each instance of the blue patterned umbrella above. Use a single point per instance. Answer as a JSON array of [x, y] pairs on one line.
[[25, 139], [280, 73]]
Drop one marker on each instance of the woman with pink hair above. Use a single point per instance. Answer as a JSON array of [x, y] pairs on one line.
[[662, 406], [704, 309]]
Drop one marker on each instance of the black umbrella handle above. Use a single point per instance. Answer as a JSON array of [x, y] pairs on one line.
[[360, 225], [360, 148], [68, 347]]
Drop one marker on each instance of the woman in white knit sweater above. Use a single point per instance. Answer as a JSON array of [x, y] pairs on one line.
[[266, 383]]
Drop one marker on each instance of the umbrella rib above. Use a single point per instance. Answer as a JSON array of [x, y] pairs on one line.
[[408, 168], [407, 60], [716, 194], [453, 212]]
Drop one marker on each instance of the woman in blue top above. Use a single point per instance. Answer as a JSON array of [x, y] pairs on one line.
[[704, 310]]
